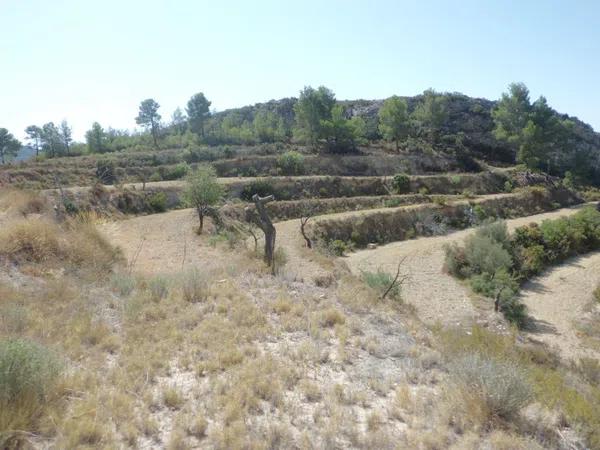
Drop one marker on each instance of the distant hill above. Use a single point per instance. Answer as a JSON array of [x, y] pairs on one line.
[[467, 116]]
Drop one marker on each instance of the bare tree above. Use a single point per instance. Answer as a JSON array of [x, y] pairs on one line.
[[263, 221], [303, 221], [397, 281]]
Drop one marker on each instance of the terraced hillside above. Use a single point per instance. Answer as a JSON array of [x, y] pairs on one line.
[[188, 341]]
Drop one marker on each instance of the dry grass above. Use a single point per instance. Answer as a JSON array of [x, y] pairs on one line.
[[236, 358], [46, 243]]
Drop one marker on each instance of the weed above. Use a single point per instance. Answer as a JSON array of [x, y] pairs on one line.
[[194, 286]]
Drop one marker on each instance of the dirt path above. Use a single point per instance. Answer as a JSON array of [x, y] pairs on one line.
[[556, 299], [437, 296], [159, 242]]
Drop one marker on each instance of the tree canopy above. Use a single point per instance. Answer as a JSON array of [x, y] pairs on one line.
[[149, 118], [394, 120], [313, 109], [9, 146], [202, 191], [430, 114], [198, 111]]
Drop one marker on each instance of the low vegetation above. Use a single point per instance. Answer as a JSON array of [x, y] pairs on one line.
[[496, 263]]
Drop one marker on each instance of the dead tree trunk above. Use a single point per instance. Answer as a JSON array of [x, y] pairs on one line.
[[303, 222], [263, 221]]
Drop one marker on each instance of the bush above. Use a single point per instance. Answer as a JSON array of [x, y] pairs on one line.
[[401, 183], [28, 379], [260, 187], [123, 284], [486, 256], [105, 171], [455, 262], [380, 281], [157, 202], [159, 288], [500, 384], [497, 232], [194, 286], [291, 163], [337, 247]]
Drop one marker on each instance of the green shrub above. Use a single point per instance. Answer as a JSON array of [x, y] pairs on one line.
[[337, 247], [380, 281], [455, 262], [177, 172], [484, 255], [496, 231], [155, 177], [123, 284], [260, 187], [501, 384], [455, 179], [26, 369], [158, 288], [480, 213], [401, 183], [157, 202], [508, 186], [291, 163]]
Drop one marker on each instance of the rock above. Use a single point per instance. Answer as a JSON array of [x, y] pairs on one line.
[[371, 246]]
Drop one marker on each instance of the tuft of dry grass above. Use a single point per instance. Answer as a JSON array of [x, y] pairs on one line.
[[42, 242]]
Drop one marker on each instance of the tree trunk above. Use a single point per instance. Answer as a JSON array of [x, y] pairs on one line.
[[303, 221], [201, 219], [266, 225]]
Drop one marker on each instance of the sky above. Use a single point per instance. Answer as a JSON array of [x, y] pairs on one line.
[[87, 61]]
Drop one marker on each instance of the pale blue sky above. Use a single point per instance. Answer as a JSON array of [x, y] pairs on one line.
[[87, 61]]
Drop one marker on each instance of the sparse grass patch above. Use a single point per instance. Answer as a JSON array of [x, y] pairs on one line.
[[123, 283], [195, 286], [172, 397]]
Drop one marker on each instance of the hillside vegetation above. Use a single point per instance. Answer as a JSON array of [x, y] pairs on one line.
[[276, 276]]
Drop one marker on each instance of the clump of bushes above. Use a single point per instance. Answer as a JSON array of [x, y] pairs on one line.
[[496, 263], [157, 202], [291, 163], [401, 183]]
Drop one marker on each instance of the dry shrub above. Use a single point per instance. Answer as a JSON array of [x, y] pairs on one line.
[[330, 317], [78, 244], [23, 202], [501, 385], [195, 286]]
